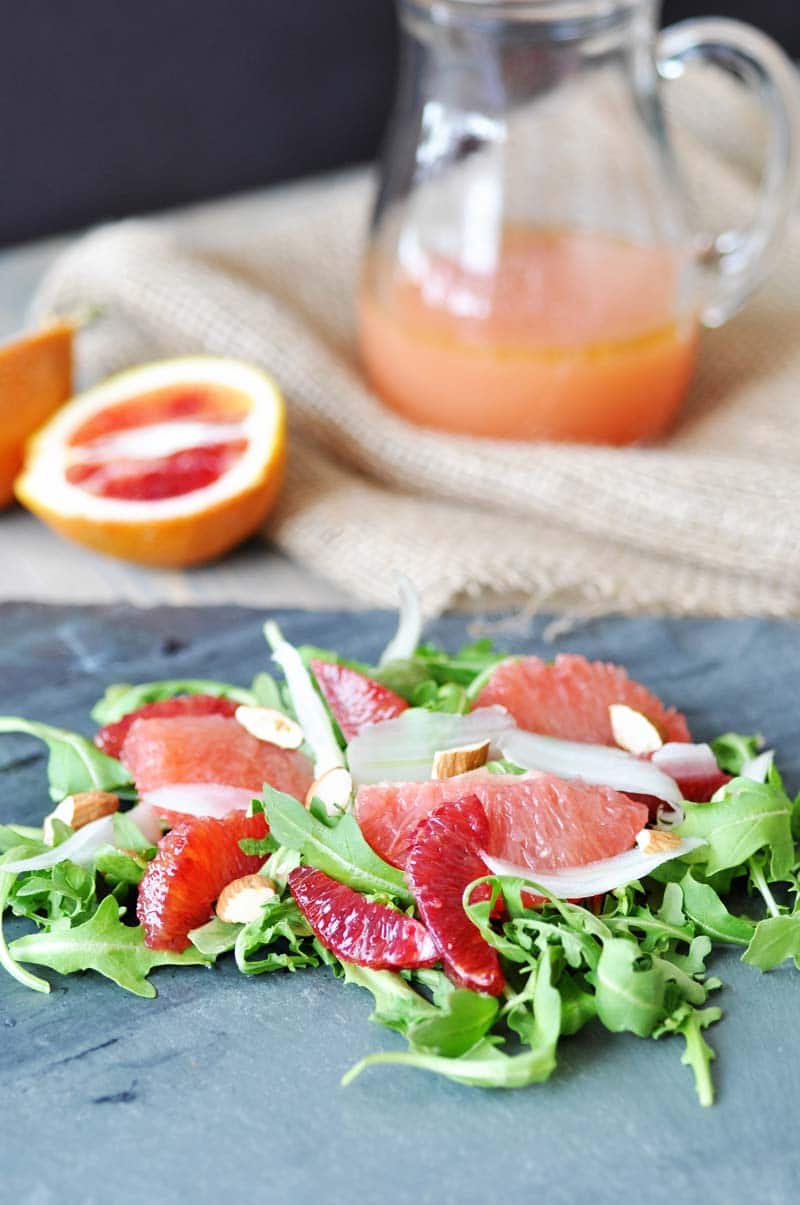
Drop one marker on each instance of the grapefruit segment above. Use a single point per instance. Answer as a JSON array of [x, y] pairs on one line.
[[169, 464], [570, 698], [111, 737], [356, 930], [535, 819], [355, 699], [443, 861], [193, 863], [212, 749]]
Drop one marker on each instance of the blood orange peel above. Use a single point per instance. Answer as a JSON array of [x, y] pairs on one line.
[[35, 378], [171, 463]]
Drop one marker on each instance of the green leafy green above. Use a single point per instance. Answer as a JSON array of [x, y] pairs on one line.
[[75, 764], [690, 1022], [340, 851], [122, 698], [705, 908], [279, 935], [732, 750], [776, 939], [103, 944], [747, 817], [12, 834], [7, 960], [61, 892]]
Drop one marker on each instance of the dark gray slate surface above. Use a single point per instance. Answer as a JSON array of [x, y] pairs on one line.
[[228, 1089]]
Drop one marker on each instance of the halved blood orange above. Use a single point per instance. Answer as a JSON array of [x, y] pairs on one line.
[[35, 378], [168, 464]]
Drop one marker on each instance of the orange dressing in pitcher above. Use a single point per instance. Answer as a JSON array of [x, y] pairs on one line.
[[570, 335]]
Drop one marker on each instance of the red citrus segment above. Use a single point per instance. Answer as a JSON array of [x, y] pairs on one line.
[[194, 862], [696, 788], [444, 860], [110, 738], [205, 403], [356, 930], [537, 820], [355, 699], [154, 478], [570, 698], [210, 748]]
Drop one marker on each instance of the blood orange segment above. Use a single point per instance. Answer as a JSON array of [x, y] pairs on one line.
[[444, 860], [357, 930], [210, 748], [111, 737], [570, 698], [171, 463], [194, 862], [537, 820], [355, 699]]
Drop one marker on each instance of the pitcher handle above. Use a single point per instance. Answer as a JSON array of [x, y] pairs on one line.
[[737, 260]]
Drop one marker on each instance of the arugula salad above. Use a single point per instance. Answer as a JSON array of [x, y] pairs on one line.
[[500, 850]]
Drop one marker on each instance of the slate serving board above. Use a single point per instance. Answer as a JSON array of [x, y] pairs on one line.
[[228, 1088]]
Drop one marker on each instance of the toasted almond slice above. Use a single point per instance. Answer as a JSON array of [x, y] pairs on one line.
[[78, 810], [333, 788], [242, 900], [449, 762], [267, 724], [633, 731], [657, 841]]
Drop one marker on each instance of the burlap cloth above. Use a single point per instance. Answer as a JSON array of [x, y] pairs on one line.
[[705, 522]]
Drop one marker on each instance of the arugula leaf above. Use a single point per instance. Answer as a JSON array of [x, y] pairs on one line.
[[630, 988], [690, 1022], [462, 1020], [281, 924], [128, 835], [48, 896], [775, 939], [732, 750], [397, 1005], [75, 764], [6, 958], [484, 1065], [119, 868], [125, 697], [215, 937], [340, 851], [103, 944], [746, 817], [707, 911], [12, 834]]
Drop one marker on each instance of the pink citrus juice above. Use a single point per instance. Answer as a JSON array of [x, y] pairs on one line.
[[571, 336]]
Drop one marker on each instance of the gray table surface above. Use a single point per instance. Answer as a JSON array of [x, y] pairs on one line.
[[225, 1088]]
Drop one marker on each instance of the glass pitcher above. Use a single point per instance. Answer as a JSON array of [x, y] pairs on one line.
[[531, 273]]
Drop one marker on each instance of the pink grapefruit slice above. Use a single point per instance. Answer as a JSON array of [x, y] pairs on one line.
[[537, 820], [212, 749], [570, 698]]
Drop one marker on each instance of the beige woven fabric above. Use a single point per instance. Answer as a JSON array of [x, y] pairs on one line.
[[705, 522]]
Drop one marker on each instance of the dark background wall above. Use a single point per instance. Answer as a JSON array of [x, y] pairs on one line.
[[109, 107]]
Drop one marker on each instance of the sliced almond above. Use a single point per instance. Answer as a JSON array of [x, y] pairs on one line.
[[78, 810], [657, 841], [334, 788], [633, 731], [449, 762], [242, 900], [267, 724]]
